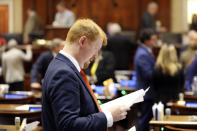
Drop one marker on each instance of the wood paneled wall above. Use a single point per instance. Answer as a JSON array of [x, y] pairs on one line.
[[126, 12], [4, 19]]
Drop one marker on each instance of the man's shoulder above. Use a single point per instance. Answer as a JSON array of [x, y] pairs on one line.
[[141, 53], [141, 50], [13, 51], [46, 53]]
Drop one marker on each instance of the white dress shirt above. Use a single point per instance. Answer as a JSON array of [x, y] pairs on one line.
[[76, 64]]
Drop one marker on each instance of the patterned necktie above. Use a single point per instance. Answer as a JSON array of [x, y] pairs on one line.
[[90, 89]]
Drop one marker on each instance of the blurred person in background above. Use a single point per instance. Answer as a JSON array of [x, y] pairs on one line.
[[144, 62], [168, 76], [41, 64], [12, 65], [64, 17], [102, 68], [33, 25], [148, 18], [120, 45], [189, 51], [190, 73]]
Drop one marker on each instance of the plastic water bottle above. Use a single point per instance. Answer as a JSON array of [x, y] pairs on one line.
[[161, 110], [168, 112], [17, 122]]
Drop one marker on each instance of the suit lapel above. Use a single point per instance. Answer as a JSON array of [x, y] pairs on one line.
[[67, 61], [149, 54]]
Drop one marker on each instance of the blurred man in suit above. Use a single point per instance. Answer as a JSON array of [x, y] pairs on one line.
[[120, 45], [68, 102], [33, 24], [102, 68], [64, 17], [148, 20], [144, 63], [41, 64], [188, 54], [191, 72]]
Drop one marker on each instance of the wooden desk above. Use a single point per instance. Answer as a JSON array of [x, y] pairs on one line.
[[37, 95], [8, 113], [52, 32], [26, 100], [188, 96], [174, 120], [183, 110], [13, 128]]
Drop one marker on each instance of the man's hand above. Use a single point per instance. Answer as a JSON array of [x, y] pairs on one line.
[[28, 47], [35, 85], [119, 112]]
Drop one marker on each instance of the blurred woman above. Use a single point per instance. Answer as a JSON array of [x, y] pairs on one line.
[[168, 76]]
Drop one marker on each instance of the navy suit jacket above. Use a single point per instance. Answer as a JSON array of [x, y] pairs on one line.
[[41, 65], [67, 104], [144, 63], [190, 73]]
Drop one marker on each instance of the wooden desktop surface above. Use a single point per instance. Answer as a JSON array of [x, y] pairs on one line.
[[11, 109], [175, 120], [8, 112]]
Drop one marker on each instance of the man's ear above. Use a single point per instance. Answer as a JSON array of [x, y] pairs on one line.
[[82, 40]]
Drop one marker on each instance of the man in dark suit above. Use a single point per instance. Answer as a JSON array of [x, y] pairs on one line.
[[143, 64], [41, 64], [120, 45], [68, 103], [148, 20], [102, 68]]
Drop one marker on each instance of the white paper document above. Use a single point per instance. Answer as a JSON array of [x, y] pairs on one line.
[[132, 129], [128, 100]]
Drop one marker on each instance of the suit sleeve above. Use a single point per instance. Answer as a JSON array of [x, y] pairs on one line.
[[65, 101], [191, 71], [26, 56], [145, 67], [36, 68]]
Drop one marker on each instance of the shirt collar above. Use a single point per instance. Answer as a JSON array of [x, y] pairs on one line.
[[72, 59]]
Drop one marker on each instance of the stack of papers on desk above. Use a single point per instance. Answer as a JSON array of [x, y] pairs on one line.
[[128, 100], [26, 107]]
